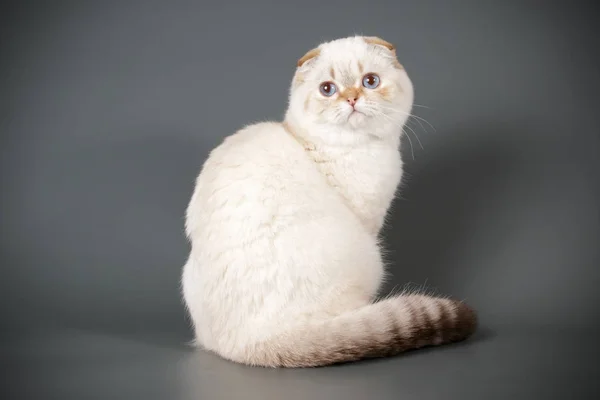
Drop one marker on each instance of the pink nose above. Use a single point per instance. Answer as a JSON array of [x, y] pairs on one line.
[[352, 101]]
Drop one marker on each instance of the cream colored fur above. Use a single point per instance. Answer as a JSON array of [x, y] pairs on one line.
[[284, 223]]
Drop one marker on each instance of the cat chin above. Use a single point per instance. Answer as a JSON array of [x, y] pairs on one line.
[[357, 120], [358, 123]]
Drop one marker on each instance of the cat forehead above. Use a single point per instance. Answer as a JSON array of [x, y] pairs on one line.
[[348, 65], [347, 53], [355, 45], [346, 50]]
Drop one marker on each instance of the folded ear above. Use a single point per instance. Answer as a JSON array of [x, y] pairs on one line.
[[374, 40], [309, 56]]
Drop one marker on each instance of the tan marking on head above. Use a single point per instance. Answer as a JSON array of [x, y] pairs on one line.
[[347, 79], [306, 102], [332, 73], [350, 92], [361, 68], [385, 92], [308, 56], [374, 40], [299, 79]]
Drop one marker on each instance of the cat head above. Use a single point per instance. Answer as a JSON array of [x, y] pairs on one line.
[[354, 84]]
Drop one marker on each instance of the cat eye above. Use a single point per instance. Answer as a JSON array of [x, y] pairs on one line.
[[327, 89], [370, 81]]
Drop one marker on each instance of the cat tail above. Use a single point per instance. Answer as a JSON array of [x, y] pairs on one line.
[[380, 329]]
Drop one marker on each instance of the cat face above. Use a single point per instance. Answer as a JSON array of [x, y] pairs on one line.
[[355, 84]]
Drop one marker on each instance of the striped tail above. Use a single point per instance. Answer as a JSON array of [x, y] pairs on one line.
[[381, 329]]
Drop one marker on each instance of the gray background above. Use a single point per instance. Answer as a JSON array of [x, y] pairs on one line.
[[108, 110]]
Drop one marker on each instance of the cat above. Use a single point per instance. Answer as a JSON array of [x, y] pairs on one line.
[[284, 222]]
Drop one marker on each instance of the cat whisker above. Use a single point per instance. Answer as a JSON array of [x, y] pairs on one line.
[[424, 120], [418, 118], [419, 105], [417, 136], [407, 126], [412, 149], [420, 124]]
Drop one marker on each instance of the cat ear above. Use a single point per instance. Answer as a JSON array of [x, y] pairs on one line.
[[374, 40], [309, 56]]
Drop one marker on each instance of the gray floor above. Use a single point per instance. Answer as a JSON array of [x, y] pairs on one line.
[[528, 364], [108, 110]]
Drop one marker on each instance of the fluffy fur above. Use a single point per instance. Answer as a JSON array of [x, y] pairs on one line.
[[285, 262]]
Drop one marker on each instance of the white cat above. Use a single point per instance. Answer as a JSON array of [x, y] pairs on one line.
[[285, 262]]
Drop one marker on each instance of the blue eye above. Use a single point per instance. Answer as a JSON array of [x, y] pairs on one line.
[[370, 81], [327, 89]]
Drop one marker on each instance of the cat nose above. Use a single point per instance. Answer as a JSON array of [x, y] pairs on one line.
[[352, 101]]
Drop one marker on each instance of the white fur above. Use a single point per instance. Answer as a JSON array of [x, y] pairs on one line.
[[281, 233]]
